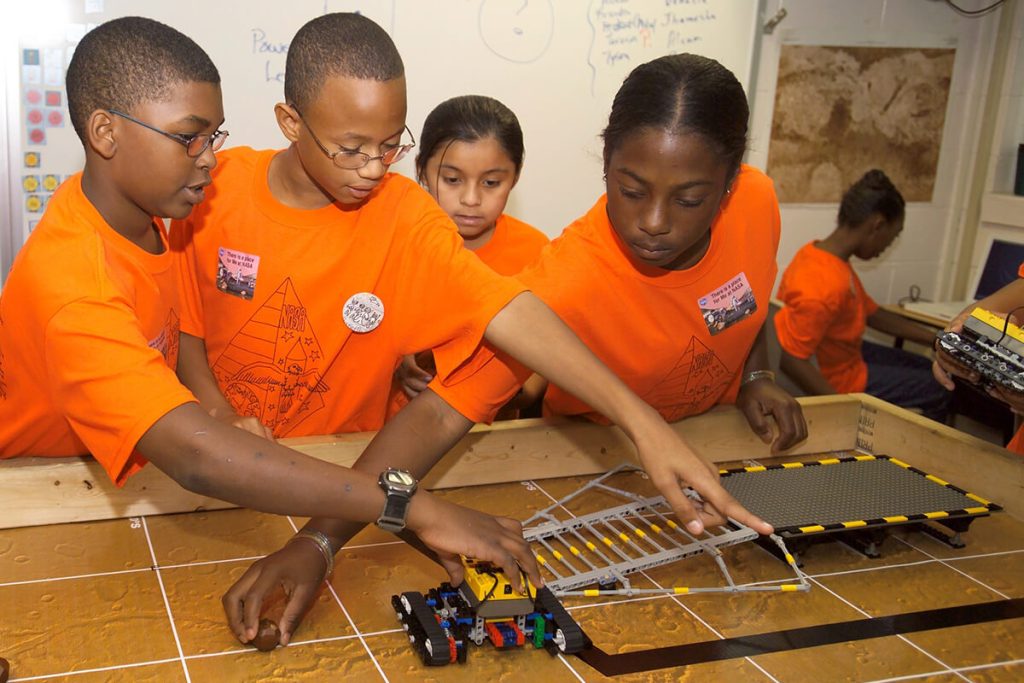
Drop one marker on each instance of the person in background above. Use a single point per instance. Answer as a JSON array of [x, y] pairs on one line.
[[826, 310]]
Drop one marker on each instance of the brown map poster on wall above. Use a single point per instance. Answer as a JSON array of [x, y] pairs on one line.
[[840, 111]]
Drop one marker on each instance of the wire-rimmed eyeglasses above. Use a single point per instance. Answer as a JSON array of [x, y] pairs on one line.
[[353, 159], [194, 145]]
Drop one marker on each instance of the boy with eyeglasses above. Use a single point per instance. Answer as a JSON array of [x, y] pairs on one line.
[[89, 317], [355, 267]]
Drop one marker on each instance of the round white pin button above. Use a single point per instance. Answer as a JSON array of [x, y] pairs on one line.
[[363, 312]]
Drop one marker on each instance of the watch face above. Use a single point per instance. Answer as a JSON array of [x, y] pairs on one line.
[[400, 478]]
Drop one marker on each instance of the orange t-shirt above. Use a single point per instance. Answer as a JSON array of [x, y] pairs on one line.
[[678, 339], [88, 340], [513, 246], [306, 314], [826, 311]]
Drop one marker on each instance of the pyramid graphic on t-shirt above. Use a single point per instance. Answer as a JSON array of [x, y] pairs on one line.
[[693, 385], [272, 367]]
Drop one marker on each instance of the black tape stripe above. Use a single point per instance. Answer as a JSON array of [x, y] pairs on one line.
[[799, 638]]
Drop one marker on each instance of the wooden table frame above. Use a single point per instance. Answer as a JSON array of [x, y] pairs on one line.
[[40, 491]]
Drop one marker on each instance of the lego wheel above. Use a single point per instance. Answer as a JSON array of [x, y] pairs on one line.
[[567, 636], [425, 634]]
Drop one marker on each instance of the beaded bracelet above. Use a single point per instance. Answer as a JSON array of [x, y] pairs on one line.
[[755, 375], [322, 543]]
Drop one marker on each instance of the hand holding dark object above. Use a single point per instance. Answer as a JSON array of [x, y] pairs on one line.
[[297, 569], [268, 636]]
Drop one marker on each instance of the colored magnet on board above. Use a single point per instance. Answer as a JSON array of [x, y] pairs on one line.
[[50, 182], [33, 96], [30, 57], [37, 136], [31, 73], [30, 183], [53, 75], [55, 118], [33, 203], [53, 98], [33, 159], [34, 117]]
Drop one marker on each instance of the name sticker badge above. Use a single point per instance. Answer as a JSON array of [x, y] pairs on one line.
[[727, 305], [363, 312]]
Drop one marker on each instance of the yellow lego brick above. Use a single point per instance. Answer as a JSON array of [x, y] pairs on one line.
[[895, 518], [791, 465], [829, 461], [681, 590], [938, 481], [977, 498], [789, 587], [854, 524], [894, 461], [936, 515], [811, 529]]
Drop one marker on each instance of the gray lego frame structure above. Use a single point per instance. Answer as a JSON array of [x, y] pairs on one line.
[[638, 535]]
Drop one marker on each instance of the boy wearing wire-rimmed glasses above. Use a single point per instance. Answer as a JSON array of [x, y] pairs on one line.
[[89, 317], [352, 268]]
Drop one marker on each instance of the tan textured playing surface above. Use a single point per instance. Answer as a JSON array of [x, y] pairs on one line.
[[139, 600]]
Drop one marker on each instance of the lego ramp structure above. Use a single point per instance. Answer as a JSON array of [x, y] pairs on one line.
[[593, 554]]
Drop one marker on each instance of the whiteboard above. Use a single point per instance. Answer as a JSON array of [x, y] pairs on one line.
[[556, 63]]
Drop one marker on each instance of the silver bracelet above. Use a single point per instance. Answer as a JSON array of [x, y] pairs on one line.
[[755, 375], [319, 539]]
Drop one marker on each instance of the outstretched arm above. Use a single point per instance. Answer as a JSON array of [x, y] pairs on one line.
[[214, 459], [552, 350], [898, 326]]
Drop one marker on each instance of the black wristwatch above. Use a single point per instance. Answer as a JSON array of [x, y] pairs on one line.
[[398, 487]]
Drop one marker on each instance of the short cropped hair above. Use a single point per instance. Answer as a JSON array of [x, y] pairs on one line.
[[339, 44], [873, 193], [131, 60], [680, 94]]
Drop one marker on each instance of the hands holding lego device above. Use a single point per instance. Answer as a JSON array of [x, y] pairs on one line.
[[983, 348], [298, 569]]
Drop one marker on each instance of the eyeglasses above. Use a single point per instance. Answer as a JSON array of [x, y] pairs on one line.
[[353, 159], [194, 145]]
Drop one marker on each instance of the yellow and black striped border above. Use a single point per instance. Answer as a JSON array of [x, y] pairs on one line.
[[984, 507]]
